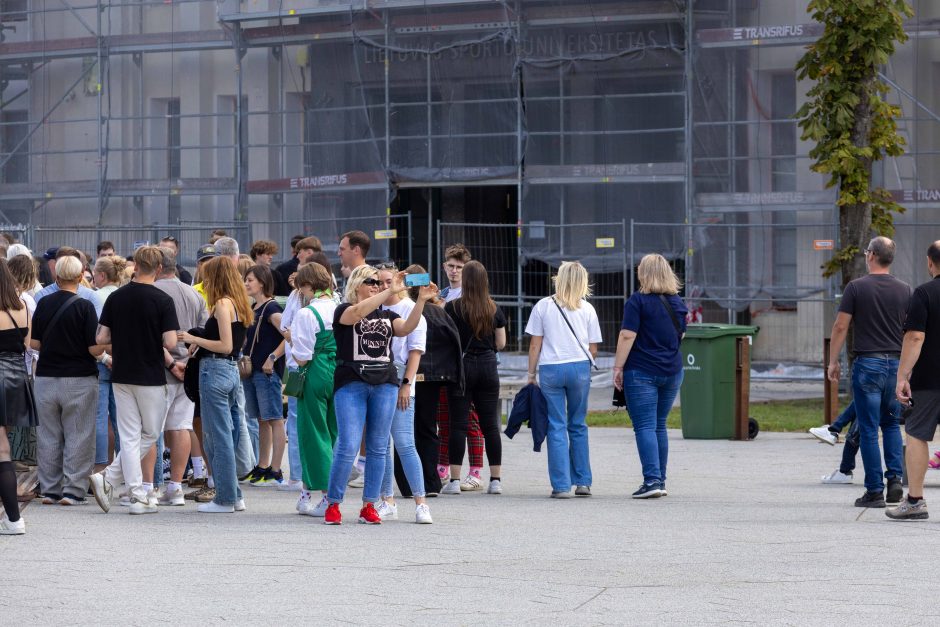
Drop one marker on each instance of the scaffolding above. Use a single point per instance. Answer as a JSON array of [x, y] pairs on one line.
[[277, 113]]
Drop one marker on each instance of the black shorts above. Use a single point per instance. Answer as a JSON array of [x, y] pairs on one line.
[[922, 422]]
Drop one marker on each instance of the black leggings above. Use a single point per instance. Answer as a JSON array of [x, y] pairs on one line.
[[8, 491], [481, 388]]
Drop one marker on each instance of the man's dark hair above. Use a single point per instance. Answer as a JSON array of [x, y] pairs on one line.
[[360, 239], [262, 247], [882, 249], [308, 243], [68, 251], [458, 252], [104, 245], [293, 242], [933, 251]]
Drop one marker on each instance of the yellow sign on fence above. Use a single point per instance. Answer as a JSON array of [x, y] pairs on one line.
[[604, 242], [386, 234]]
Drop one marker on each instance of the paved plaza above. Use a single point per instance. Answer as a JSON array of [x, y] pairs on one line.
[[747, 534]]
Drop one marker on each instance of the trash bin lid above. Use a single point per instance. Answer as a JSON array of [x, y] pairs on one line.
[[711, 331]]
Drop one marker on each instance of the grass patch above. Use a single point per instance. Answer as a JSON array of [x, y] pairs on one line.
[[781, 416]]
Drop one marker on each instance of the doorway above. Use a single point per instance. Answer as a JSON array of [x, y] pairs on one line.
[[480, 204]]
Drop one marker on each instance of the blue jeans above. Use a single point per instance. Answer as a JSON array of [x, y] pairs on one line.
[[245, 457], [403, 433], [847, 416], [649, 400], [221, 421], [850, 450], [361, 405], [566, 388], [107, 412], [873, 383], [293, 441]]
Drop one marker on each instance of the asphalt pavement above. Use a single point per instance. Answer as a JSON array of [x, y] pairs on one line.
[[747, 534]]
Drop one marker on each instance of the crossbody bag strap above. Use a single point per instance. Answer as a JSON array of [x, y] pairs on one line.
[[577, 339], [58, 314], [254, 340], [672, 314]]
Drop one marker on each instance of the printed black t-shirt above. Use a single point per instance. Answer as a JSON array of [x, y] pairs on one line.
[[138, 315], [368, 341], [64, 350]]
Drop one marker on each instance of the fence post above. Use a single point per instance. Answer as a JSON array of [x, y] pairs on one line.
[[411, 238], [632, 255], [623, 239]]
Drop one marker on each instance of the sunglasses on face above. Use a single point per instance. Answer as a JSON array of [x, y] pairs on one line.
[[372, 282]]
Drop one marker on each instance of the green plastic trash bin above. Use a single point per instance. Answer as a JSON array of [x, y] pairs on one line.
[[709, 355]]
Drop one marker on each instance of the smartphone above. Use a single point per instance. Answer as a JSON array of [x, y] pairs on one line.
[[417, 280]]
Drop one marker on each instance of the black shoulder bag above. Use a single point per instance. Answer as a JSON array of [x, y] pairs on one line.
[[577, 339], [58, 314], [672, 315]]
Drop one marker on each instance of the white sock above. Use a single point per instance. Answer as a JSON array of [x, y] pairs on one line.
[[199, 468], [172, 486], [210, 482], [305, 494], [148, 487]]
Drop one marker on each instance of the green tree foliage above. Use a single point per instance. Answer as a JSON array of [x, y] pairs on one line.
[[848, 119]]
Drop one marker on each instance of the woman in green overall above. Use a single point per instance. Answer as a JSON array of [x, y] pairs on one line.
[[314, 349]]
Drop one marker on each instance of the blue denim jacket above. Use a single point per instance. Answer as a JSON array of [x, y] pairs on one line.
[[529, 406]]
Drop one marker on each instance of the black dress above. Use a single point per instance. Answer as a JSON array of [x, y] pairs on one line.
[[17, 404]]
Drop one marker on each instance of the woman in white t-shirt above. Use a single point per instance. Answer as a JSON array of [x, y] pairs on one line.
[[565, 332]]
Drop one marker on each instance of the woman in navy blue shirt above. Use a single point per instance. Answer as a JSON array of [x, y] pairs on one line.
[[648, 365]]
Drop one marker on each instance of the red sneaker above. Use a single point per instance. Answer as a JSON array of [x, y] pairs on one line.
[[368, 515], [333, 516]]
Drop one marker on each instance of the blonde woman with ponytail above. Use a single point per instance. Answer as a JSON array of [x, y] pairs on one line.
[[564, 333]]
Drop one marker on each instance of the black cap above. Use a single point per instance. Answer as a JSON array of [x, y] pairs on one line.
[[206, 252], [50, 254]]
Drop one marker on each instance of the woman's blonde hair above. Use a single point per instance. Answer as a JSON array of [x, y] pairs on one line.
[[571, 285], [656, 276], [221, 280], [69, 268], [112, 267], [358, 275]]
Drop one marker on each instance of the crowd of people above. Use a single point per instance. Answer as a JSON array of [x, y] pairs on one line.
[[140, 378]]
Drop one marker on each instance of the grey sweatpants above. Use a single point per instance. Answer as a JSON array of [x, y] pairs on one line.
[[65, 437]]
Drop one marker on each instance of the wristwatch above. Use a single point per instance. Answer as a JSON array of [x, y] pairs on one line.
[[272, 357], [405, 381]]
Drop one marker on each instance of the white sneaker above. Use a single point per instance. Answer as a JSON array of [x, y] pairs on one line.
[[320, 510], [495, 487], [213, 508], [451, 487], [304, 503], [387, 511], [356, 478], [153, 498], [8, 528], [102, 490], [124, 501], [240, 505], [824, 434], [471, 484], [423, 514], [142, 507], [837, 477], [291, 486], [174, 498]]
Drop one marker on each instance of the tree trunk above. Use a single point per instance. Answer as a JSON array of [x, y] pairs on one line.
[[855, 219]]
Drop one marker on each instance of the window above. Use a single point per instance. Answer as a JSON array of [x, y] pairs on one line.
[[173, 156], [12, 11]]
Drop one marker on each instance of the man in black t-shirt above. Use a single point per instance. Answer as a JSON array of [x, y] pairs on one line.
[[139, 321], [919, 385], [876, 306]]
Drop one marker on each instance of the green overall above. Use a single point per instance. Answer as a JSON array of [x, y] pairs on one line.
[[316, 418]]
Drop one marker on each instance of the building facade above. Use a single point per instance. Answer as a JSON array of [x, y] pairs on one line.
[[533, 131]]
